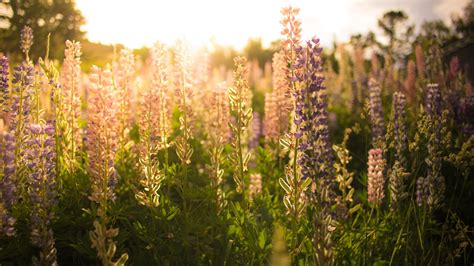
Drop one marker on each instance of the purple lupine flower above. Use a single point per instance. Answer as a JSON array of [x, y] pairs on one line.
[[270, 121], [376, 112], [255, 186], [434, 178], [315, 156], [41, 162], [4, 82], [8, 184], [466, 114], [278, 103], [69, 103], [101, 138], [112, 180], [256, 131], [399, 126], [23, 78], [422, 191], [420, 62], [26, 39], [314, 148], [453, 68], [433, 100], [355, 95], [375, 178], [101, 143]]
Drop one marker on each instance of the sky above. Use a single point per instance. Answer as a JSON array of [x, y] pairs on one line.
[[140, 23]]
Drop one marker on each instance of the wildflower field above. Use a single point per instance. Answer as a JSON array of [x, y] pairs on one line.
[[310, 159]]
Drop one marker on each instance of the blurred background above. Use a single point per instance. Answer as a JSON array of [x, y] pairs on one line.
[[228, 28]]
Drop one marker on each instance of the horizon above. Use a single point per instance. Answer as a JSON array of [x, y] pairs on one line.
[[230, 23]]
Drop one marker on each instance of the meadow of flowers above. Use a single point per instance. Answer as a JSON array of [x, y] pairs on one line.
[[172, 162]]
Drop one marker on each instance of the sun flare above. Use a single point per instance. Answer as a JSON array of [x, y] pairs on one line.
[[251, 132], [143, 22]]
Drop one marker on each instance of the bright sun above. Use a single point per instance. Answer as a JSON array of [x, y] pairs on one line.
[[142, 22]]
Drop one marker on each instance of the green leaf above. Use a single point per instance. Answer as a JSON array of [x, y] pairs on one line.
[[172, 215], [284, 185], [247, 158], [262, 239], [306, 183], [355, 208], [121, 261]]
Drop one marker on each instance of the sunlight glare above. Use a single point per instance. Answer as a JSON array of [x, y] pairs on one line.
[[142, 22]]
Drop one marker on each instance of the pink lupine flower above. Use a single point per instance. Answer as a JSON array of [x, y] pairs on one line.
[[376, 181], [255, 186]]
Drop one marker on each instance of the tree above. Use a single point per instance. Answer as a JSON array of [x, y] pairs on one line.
[[394, 25], [430, 30], [464, 25], [254, 50], [61, 18]]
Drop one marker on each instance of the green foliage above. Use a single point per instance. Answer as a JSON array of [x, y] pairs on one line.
[[60, 18], [254, 50], [196, 216]]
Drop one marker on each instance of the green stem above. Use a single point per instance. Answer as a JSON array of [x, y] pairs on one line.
[[37, 99], [239, 143], [72, 124], [185, 147]]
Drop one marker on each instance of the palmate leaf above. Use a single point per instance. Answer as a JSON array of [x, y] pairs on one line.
[[238, 181], [232, 91], [355, 208], [248, 115], [285, 185], [220, 173], [306, 183], [301, 208], [287, 202], [189, 154], [246, 159], [233, 99], [285, 142]]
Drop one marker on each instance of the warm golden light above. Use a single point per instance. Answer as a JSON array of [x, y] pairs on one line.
[[142, 22]]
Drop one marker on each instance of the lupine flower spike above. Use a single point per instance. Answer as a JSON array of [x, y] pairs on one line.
[[434, 177], [183, 85], [8, 188], [398, 174], [295, 187], [41, 160], [20, 109], [343, 176], [219, 134], [4, 88], [314, 149], [376, 114], [239, 96], [277, 103], [101, 143], [255, 130], [124, 82], [150, 114], [375, 177], [26, 41], [255, 186], [70, 77], [420, 62], [160, 92]]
